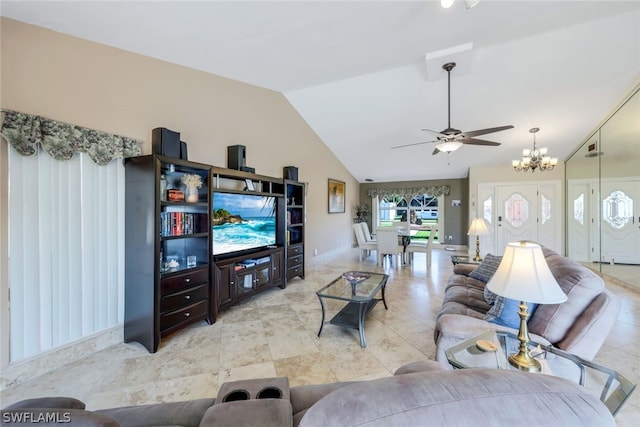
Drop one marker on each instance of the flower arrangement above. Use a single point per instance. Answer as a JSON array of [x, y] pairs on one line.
[[362, 212], [192, 180]]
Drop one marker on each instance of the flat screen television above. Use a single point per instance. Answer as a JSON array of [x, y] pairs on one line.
[[242, 222]]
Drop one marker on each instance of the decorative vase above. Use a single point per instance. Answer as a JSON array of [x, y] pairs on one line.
[[191, 194]]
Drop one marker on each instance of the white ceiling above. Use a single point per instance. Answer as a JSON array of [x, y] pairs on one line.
[[356, 71]]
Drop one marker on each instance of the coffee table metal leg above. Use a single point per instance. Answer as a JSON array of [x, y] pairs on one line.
[[384, 301], [321, 323], [361, 313]]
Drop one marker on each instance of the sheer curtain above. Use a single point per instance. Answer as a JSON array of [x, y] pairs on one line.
[[66, 251]]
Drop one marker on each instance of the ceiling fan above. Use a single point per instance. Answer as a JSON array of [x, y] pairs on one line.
[[451, 139]]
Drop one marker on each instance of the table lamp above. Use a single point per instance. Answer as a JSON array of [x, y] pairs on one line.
[[523, 274], [478, 228]]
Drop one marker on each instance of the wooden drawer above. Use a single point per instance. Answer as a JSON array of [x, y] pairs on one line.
[[294, 271], [294, 261], [295, 250], [186, 314], [185, 297], [185, 280]]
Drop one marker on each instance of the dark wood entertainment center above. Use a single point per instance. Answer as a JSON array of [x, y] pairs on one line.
[[172, 277]]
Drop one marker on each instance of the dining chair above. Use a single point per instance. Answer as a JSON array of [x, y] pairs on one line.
[[367, 233], [365, 246], [415, 246], [387, 238]]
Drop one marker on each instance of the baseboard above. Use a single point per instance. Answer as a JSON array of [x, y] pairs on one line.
[[55, 358]]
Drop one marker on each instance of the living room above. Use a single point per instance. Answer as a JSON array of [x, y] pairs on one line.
[[78, 81]]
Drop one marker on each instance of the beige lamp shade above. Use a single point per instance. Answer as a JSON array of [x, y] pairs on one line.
[[524, 275], [478, 227]]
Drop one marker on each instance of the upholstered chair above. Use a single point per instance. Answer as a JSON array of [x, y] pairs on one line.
[[416, 246], [365, 246], [387, 238]]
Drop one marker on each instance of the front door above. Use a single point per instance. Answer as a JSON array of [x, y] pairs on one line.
[[620, 221]]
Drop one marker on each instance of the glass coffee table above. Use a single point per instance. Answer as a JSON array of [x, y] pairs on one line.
[[358, 289], [612, 388]]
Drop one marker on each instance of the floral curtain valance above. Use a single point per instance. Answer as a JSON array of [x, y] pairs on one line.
[[409, 193], [62, 140]]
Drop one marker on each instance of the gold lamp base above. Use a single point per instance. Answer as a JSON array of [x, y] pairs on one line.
[[477, 257], [524, 362], [523, 359]]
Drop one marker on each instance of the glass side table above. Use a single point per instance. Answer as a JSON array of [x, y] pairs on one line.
[[463, 259], [612, 388]]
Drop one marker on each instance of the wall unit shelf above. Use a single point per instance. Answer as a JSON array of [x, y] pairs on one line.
[[295, 192], [240, 277], [167, 249], [237, 275]]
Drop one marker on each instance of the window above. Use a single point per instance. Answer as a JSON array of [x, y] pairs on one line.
[[420, 210], [66, 252]]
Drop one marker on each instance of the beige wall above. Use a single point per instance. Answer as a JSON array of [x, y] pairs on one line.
[[88, 84]]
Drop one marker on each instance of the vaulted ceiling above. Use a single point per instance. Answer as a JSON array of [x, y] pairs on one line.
[[367, 75]]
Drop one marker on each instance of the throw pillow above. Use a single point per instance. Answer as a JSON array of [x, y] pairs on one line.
[[505, 312], [487, 268]]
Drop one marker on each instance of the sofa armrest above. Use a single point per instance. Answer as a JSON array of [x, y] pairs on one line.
[[590, 330], [418, 366], [249, 413], [48, 402], [55, 417], [463, 269], [455, 328]]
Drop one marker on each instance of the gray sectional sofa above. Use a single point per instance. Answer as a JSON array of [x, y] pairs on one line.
[[578, 326], [419, 394]]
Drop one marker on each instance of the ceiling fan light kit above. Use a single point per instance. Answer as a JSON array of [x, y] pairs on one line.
[[536, 158], [448, 146], [467, 3]]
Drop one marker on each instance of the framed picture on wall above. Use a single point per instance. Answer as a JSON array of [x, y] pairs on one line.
[[336, 196]]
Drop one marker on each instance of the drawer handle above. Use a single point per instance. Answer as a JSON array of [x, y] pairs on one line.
[[187, 314], [187, 297], [187, 279]]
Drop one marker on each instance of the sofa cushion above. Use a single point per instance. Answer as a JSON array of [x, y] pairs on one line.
[[305, 396], [487, 268], [505, 312], [456, 398], [581, 286], [187, 413]]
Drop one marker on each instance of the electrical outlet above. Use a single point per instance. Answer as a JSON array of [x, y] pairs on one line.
[[315, 252]]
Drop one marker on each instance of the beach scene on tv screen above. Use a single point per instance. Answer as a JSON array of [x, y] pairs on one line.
[[242, 221]]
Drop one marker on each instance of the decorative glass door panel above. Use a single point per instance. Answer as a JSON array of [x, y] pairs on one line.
[[580, 224]]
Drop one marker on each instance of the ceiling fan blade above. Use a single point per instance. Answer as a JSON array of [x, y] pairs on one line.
[[411, 145], [435, 133], [475, 141], [479, 132], [435, 151]]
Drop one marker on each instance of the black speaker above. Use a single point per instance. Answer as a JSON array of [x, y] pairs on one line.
[[290, 172], [183, 151], [165, 142], [236, 156]]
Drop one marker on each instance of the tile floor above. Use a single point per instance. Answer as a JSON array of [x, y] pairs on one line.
[[275, 334]]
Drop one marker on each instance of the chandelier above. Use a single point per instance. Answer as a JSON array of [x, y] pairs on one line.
[[534, 159]]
